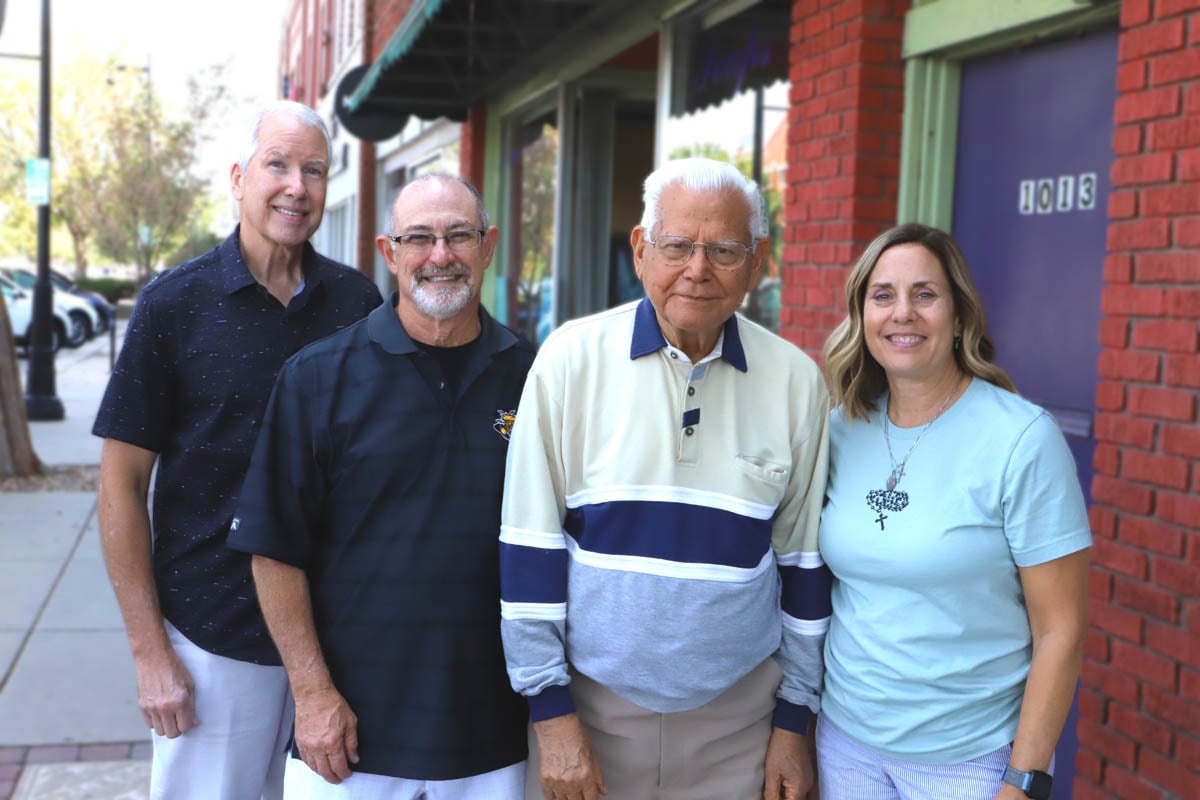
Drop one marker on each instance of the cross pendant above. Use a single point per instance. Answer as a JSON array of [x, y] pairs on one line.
[[881, 518]]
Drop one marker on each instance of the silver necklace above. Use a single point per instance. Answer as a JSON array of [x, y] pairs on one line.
[[898, 469]]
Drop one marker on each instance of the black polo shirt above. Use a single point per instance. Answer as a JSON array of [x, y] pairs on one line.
[[385, 486], [201, 353]]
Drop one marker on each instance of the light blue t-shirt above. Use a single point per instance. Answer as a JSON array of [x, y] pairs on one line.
[[929, 645]]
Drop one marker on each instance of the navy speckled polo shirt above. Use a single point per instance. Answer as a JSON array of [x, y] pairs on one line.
[[200, 356]]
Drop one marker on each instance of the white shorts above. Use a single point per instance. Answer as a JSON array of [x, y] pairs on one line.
[[849, 771], [238, 748], [506, 783]]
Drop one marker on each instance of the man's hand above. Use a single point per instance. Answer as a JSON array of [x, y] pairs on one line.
[[789, 766], [570, 770], [327, 734], [166, 694]]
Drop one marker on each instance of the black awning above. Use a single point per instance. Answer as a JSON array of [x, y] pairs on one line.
[[446, 54]]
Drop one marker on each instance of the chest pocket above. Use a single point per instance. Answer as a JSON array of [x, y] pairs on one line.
[[762, 480]]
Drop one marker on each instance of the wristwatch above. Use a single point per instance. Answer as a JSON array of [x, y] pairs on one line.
[[1035, 783]]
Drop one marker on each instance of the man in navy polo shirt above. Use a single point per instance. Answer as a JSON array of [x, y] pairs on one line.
[[201, 353], [371, 507]]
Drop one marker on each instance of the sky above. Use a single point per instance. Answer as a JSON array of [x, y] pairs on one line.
[[174, 38]]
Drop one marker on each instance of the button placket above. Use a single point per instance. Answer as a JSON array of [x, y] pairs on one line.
[[689, 435]]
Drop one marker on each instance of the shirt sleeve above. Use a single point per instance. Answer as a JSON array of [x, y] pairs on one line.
[[806, 581], [533, 555], [1045, 516], [285, 483], [137, 404]]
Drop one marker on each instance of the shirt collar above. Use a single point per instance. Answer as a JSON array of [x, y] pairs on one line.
[[235, 274], [384, 328], [648, 337]]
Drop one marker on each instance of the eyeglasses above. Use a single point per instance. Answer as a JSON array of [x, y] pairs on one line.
[[423, 243], [678, 250]]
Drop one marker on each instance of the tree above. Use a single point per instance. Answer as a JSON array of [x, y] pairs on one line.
[[16, 444], [122, 161], [140, 206]]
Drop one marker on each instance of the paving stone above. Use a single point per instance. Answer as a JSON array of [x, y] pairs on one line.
[[103, 752], [46, 754], [85, 780]]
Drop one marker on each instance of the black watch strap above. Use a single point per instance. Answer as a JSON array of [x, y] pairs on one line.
[[1035, 783]]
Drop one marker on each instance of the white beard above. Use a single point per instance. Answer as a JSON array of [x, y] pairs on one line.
[[441, 300]]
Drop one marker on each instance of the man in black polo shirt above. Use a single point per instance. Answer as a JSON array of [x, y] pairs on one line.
[[201, 353], [371, 507]]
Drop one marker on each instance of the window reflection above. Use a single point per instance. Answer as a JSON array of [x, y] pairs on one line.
[[534, 175]]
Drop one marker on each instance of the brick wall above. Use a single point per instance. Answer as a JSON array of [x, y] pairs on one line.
[[847, 98], [471, 149], [388, 15], [1140, 699]]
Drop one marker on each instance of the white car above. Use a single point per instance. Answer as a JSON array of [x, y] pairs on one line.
[[20, 314], [79, 309]]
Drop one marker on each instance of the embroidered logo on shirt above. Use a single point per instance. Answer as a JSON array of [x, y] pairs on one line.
[[233, 526], [504, 423]]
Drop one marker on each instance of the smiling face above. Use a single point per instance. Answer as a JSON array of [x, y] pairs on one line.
[[440, 284], [909, 320], [281, 190], [693, 300]]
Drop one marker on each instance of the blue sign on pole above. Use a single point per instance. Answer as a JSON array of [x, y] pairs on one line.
[[37, 181]]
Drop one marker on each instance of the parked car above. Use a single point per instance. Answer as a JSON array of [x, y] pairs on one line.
[[78, 308], [20, 314], [104, 309]]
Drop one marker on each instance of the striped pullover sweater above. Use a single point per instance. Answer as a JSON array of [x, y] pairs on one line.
[[659, 525]]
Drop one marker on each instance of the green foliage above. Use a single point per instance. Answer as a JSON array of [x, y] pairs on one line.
[[121, 161], [112, 289]]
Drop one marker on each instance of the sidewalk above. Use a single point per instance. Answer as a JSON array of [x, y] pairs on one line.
[[69, 724]]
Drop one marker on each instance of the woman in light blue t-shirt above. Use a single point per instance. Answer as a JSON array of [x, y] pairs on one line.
[[958, 538]]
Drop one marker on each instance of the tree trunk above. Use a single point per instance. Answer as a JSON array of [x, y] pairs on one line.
[[16, 445]]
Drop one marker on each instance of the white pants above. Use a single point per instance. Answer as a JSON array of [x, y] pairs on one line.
[[849, 771], [238, 748], [506, 783]]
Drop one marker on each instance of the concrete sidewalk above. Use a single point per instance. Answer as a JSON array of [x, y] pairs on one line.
[[69, 723]]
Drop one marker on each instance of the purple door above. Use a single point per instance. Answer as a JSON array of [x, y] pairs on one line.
[[1030, 213]]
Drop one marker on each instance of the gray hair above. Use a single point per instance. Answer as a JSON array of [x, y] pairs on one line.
[[484, 220], [297, 111], [703, 175]]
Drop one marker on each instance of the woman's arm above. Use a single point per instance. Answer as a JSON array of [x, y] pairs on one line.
[[1056, 600]]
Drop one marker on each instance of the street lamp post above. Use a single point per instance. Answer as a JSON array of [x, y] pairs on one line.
[[41, 401]]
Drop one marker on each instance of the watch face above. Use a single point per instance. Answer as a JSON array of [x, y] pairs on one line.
[[1039, 785]]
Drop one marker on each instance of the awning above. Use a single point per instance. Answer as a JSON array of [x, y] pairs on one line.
[[446, 54]]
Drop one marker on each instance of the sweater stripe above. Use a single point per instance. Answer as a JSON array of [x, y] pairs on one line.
[[671, 494], [672, 532]]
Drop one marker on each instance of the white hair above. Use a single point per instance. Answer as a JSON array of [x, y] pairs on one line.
[[703, 175], [291, 108]]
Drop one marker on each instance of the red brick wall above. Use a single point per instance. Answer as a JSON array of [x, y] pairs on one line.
[[471, 148], [847, 99], [387, 17], [1140, 698]]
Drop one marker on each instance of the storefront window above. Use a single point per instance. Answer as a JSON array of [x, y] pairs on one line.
[[732, 106], [534, 175]]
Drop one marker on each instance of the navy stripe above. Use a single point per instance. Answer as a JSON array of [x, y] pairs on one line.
[[672, 531], [691, 417], [532, 574], [806, 592]]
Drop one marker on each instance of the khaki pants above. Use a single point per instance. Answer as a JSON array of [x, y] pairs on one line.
[[714, 752]]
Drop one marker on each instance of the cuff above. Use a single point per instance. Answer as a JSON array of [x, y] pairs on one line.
[[791, 717], [553, 701]]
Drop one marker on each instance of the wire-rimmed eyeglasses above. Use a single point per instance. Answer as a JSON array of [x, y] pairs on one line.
[[460, 241], [678, 250]]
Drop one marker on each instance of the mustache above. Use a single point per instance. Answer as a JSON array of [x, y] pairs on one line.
[[451, 271]]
